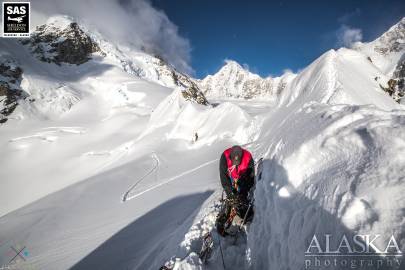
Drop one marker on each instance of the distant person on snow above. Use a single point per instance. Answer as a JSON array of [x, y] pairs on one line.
[[237, 172]]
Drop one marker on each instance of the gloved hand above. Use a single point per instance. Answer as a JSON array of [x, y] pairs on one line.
[[234, 199], [243, 199], [232, 196]]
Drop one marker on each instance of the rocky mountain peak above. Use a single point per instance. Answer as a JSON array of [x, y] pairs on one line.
[[234, 81], [61, 40], [393, 40]]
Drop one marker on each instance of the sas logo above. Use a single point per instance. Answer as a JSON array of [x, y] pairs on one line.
[[16, 19]]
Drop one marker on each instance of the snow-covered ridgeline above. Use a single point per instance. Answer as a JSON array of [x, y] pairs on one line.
[[385, 55]]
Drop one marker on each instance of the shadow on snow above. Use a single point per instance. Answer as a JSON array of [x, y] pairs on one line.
[[126, 249]]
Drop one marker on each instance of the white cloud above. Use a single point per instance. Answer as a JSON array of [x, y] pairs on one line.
[[345, 18], [287, 71], [135, 22], [347, 36]]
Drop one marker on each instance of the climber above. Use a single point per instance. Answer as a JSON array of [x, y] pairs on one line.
[[237, 173]]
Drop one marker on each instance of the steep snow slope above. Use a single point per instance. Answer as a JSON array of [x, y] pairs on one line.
[[338, 77], [332, 148], [328, 170], [233, 81], [387, 53]]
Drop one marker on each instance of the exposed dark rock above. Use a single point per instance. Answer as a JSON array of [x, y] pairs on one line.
[[8, 71], [392, 41], [10, 90], [392, 90], [194, 94], [396, 85], [9, 96], [399, 74], [70, 45]]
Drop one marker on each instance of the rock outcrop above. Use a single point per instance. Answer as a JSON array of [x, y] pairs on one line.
[[10, 90], [62, 44]]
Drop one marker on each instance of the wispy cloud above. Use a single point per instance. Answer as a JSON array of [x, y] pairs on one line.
[[345, 18], [347, 36], [134, 22]]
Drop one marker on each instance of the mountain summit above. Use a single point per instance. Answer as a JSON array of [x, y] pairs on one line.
[[234, 81]]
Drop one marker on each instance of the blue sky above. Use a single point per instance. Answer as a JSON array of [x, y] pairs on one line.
[[271, 36]]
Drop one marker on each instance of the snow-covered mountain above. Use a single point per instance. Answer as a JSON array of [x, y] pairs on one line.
[[234, 81], [53, 70], [386, 53], [106, 164]]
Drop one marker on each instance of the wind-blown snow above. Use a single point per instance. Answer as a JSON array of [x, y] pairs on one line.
[[184, 120], [342, 174]]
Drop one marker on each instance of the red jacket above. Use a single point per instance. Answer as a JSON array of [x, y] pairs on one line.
[[237, 179]]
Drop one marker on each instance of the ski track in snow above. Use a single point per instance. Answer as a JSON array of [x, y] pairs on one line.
[[152, 170], [51, 134], [171, 179]]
